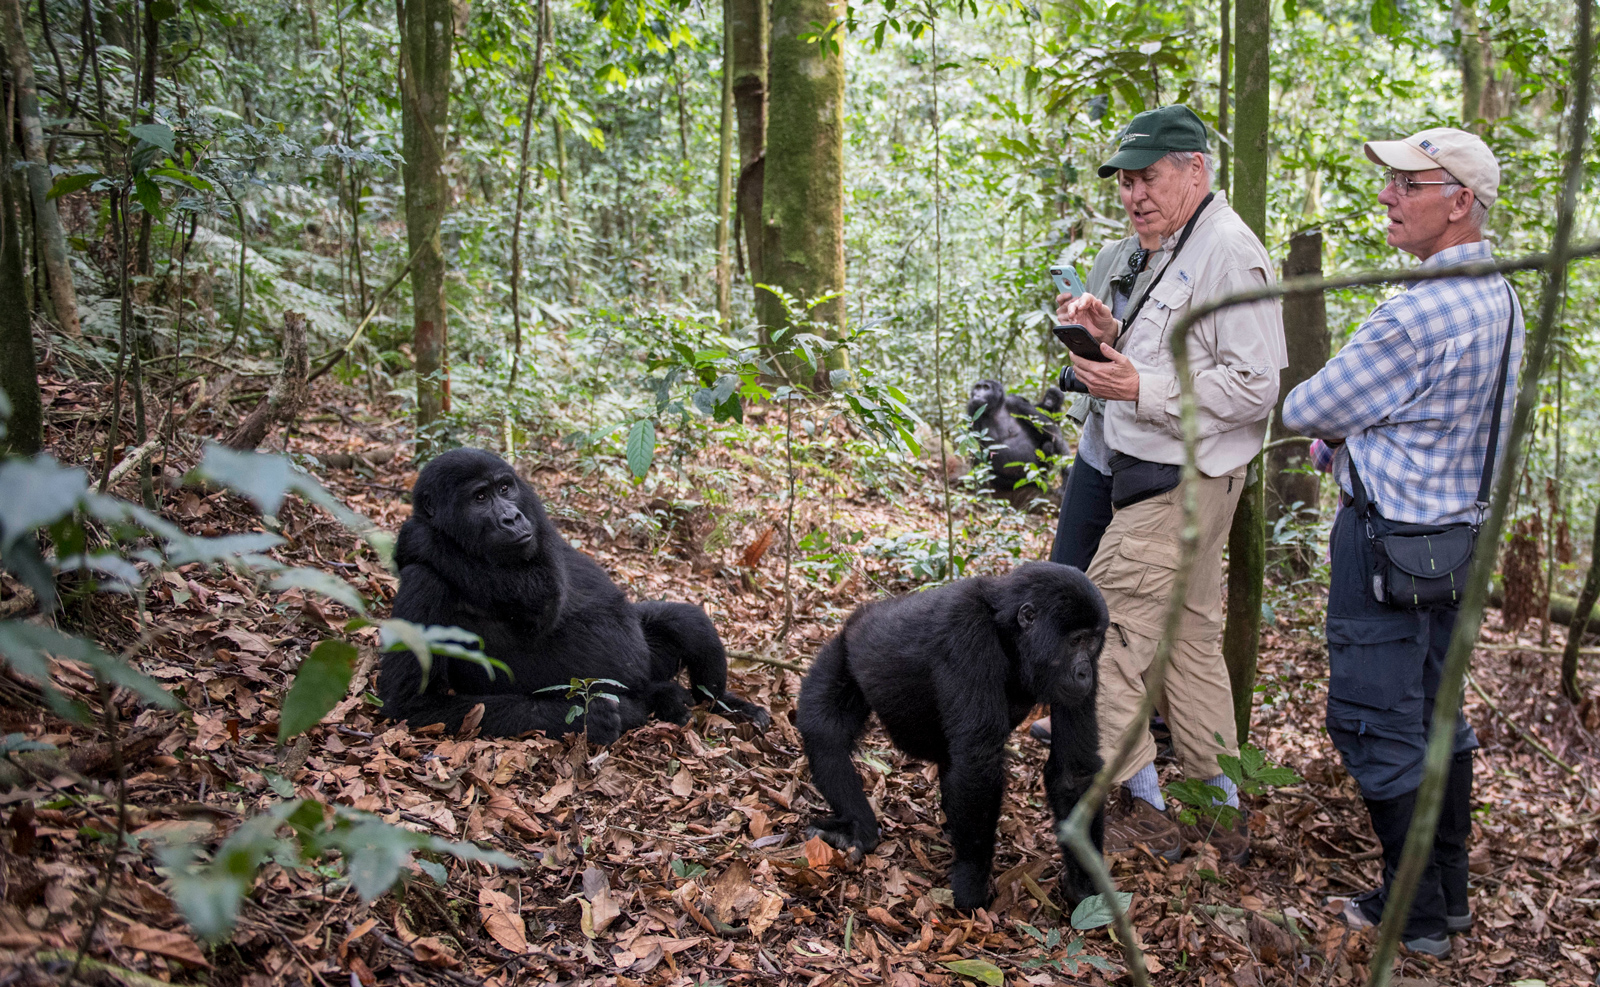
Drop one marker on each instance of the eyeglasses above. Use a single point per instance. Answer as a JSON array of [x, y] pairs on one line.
[[1405, 184]]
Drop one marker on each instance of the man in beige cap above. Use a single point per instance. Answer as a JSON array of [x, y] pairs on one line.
[[1414, 405]]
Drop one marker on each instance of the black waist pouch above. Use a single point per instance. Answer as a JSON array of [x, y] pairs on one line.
[[1134, 479], [1423, 565]]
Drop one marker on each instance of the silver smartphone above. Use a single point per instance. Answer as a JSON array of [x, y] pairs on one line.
[[1067, 280]]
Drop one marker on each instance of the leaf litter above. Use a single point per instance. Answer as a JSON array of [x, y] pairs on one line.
[[678, 855]]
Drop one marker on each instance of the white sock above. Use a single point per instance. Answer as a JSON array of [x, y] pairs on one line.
[[1147, 786], [1226, 784]]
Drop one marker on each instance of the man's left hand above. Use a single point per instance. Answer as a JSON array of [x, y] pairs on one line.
[[1114, 381]]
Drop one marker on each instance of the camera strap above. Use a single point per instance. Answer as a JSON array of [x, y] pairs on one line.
[[1188, 228]]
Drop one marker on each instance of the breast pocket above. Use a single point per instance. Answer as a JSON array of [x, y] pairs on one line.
[[1157, 317]]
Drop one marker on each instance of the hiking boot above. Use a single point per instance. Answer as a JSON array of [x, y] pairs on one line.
[[1459, 924], [1040, 730], [1231, 842], [1132, 823], [1365, 911]]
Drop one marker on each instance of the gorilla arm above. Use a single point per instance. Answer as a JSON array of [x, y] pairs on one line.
[[427, 600]]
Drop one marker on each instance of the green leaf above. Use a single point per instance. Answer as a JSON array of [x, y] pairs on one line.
[[980, 970], [36, 492], [321, 582], [318, 686], [262, 478], [148, 194], [14, 743], [434, 871], [158, 134], [641, 447], [376, 852], [26, 645], [1094, 911], [72, 183], [397, 634]]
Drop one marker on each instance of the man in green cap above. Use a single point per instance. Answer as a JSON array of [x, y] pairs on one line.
[[1164, 175]]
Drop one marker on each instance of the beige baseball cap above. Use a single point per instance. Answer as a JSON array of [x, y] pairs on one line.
[[1463, 155]]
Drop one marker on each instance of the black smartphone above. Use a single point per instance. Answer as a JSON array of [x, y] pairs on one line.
[[1080, 342]]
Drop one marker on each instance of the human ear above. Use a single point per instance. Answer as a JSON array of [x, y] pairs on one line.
[[1461, 207]]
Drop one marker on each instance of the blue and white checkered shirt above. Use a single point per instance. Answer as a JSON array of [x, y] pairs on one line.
[[1410, 393]]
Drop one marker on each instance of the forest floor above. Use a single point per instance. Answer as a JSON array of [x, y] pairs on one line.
[[677, 855]]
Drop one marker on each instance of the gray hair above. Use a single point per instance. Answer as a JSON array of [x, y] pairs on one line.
[[1181, 159], [1480, 209]]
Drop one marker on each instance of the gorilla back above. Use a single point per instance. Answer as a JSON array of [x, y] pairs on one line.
[[950, 673], [479, 553]]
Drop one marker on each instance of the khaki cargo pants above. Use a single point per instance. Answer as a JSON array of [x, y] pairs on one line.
[[1135, 567]]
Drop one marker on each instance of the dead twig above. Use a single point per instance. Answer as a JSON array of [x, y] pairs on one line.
[[1527, 737]]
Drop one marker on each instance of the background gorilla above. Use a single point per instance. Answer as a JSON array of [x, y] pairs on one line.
[[950, 673], [479, 553], [1016, 431]]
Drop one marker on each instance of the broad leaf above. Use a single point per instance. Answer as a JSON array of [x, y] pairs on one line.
[[72, 183], [980, 970], [26, 645], [262, 478], [1094, 911], [318, 686], [317, 581], [36, 492], [641, 447], [158, 134]]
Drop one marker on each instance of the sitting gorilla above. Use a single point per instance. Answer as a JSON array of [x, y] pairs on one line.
[[1016, 431], [479, 553], [950, 673]]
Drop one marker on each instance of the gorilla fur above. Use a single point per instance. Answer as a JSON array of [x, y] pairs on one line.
[[950, 673], [1016, 432], [479, 553]]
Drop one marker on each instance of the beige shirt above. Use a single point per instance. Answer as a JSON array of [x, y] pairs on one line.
[[1235, 355]]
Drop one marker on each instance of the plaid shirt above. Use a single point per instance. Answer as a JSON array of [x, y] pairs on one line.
[[1410, 393]]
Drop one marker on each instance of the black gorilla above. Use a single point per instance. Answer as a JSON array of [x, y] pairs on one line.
[[1017, 431], [479, 553], [950, 673]]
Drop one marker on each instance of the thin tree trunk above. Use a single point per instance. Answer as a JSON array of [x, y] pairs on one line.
[[1474, 68], [522, 192], [802, 207], [19, 376], [1305, 323], [1224, 58], [748, 60], [1580, 620], [289, 391], [47, 221], [1241, 635], [426, 35], [725, 174], [147, 100]]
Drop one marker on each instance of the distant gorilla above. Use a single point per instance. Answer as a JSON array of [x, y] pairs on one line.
[[950, 673], [1016, 432], [479, 553]]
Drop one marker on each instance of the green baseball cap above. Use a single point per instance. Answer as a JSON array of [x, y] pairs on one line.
[[1154, 134]]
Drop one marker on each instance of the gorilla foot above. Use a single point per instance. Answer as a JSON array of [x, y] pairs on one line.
[[969, 885], [602, 722], [734, 708], [854, 841]]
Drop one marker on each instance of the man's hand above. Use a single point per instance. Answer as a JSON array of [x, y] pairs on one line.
[[1114, 381], [1089, 312]]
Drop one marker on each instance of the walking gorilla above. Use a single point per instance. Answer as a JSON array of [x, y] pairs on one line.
[[950, 673], [479, 553]]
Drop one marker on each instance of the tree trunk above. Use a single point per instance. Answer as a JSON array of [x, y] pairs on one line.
[[19, 376], [725, 174], [1580, 620], [1474, 65], [1305, 323], [47, 222], [289, 391], [1224, 60], [1241, 635], [426, 33], [747, 47], [802, 208]]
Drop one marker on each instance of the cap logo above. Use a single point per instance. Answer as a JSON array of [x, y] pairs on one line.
[[1130, 138], [1428, 146]]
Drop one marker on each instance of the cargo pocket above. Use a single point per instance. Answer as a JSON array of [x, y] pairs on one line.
[[1151, 565], [1375, 664]]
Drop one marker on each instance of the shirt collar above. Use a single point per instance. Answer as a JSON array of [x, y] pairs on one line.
[[1218, 198], [1461, 253]]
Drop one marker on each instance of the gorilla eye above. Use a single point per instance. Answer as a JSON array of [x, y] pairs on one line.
[[480, 496], [505, 488]]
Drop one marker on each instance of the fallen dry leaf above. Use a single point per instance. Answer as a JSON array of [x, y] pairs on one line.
[[172, 945], [597, 889], [500, 919]]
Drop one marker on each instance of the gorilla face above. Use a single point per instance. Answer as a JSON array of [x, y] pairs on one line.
[[477, 500], [987, 393], [1061, 630]]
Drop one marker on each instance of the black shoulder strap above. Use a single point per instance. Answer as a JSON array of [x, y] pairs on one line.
[[1499, 399], [1359, 494], [1188, 228]]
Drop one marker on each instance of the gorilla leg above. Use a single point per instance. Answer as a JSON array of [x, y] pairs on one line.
[[833, 710], [680, 635], [504, 714], [971, 787], [1074, 761]]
